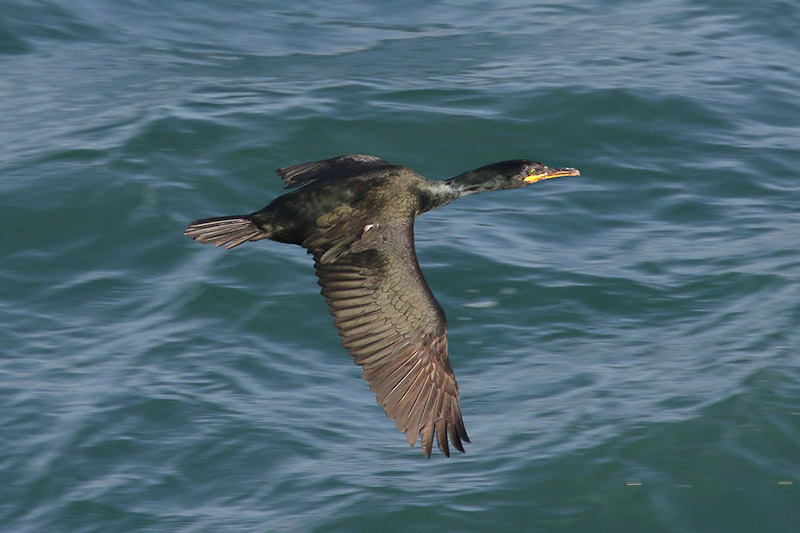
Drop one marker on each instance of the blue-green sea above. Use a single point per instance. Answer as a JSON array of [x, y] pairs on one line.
[[627, 342]]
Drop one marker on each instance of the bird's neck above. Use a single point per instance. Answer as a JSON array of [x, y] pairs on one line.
[[441, 193]]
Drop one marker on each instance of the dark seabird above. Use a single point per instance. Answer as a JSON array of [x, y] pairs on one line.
[[355, 215]]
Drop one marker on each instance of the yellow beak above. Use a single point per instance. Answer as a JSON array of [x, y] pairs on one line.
[[548, 173]]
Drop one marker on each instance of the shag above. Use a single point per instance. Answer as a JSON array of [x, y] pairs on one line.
[[355, 215]]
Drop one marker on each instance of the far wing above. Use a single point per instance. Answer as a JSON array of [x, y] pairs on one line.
[[393, 327], [336, 167]]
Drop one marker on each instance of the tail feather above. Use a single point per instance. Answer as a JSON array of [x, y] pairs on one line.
[[225, 231]]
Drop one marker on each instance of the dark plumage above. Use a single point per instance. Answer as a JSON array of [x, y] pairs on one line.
[[355, 214]]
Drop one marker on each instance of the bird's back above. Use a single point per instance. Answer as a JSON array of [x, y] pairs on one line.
[[381, 195]]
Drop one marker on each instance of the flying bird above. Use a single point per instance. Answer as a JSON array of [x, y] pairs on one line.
[[355, 216]]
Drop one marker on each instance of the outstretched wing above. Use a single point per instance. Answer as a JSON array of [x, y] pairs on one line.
[[336, 167], [393, 327]]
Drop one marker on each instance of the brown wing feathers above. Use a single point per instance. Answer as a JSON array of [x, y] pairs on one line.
[[335, 167], [398, 336]]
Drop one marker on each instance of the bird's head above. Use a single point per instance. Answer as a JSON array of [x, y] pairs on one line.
[[512, 174], [521, 173]]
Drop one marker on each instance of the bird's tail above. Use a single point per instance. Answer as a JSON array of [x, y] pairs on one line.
[[225, 231]]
